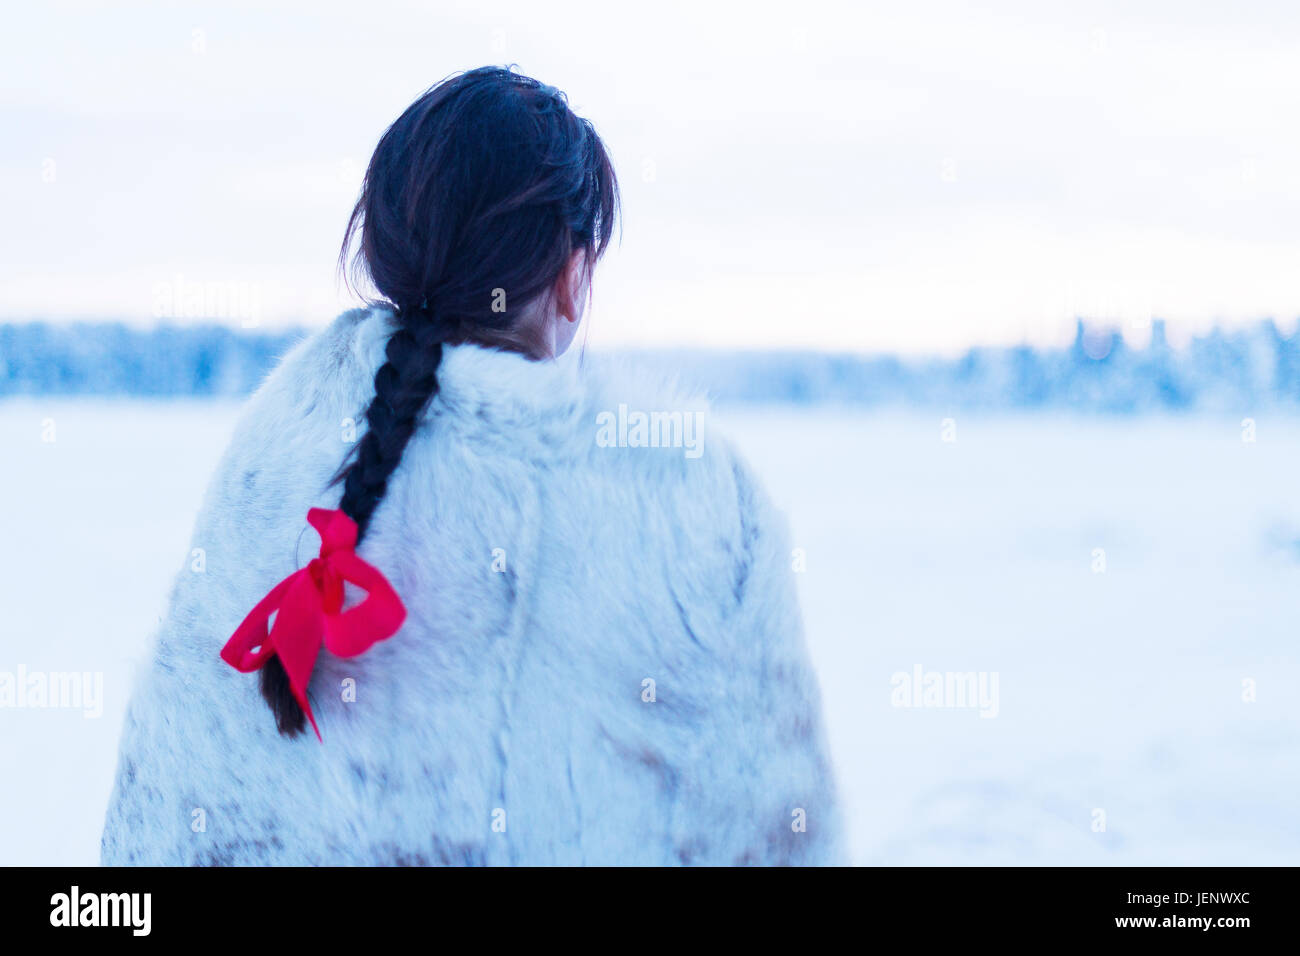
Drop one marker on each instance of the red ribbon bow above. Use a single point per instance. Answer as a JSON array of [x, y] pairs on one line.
[[308, 611]]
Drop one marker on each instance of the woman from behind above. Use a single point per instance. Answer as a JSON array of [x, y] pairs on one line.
[[526, 637]]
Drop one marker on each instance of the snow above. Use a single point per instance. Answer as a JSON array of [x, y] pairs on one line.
[[1119, 691]]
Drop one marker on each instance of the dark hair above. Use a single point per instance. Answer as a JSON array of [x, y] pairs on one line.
[[473, 204]]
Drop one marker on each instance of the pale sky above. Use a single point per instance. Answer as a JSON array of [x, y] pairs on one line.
[[863, 176]]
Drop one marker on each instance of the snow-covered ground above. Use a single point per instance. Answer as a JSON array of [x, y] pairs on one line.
[[1121, 693]]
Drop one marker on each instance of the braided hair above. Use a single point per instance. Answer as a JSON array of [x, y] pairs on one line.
[[472, 206]]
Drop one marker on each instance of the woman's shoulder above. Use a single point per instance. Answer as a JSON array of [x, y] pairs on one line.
[[335, 362], [644, 418], [647, 430], [611, 433]]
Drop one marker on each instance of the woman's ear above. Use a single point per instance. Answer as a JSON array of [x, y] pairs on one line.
[[571, 287]]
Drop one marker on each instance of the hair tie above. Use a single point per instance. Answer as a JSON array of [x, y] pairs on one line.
[[308, 608]]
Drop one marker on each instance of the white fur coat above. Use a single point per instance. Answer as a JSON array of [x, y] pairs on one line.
[[602, 660]]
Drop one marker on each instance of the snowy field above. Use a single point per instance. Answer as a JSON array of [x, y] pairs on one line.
[[1123, 694]]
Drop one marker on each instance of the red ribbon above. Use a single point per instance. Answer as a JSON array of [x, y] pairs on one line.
[[308, 611]]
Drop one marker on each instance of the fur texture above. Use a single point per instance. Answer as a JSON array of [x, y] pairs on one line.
[[505, 723]]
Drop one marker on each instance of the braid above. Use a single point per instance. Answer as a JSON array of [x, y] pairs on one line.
[[404, 385]]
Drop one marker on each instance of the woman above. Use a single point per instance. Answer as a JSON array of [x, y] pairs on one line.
[[549, 649]]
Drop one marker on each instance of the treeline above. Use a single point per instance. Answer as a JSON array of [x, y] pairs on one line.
[[110, 358], [1242, 369]]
